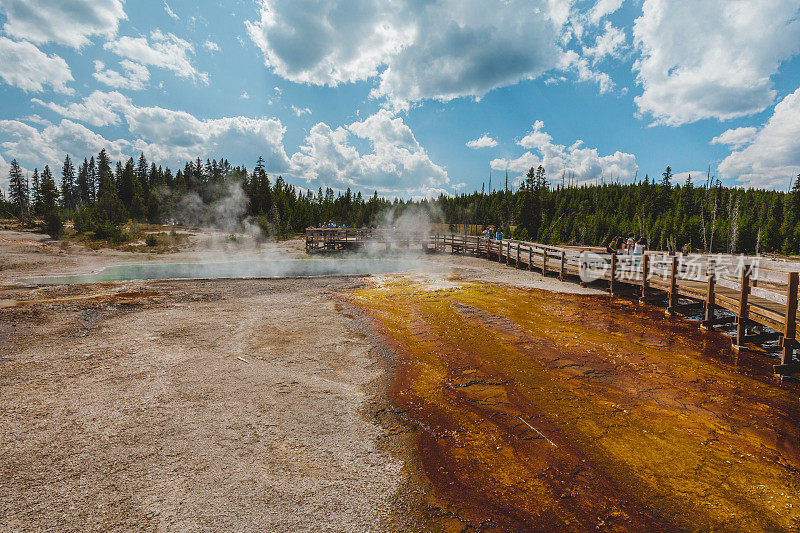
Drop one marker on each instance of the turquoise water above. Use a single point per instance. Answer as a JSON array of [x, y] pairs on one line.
[[234, 269]]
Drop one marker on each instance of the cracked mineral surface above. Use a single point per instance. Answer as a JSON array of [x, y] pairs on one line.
[[541, 411]]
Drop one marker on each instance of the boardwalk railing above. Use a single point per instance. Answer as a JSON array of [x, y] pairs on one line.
[[728, 289], [337, 239]]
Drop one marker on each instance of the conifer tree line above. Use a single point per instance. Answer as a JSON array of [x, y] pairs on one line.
[[704, 216], [100, 196]]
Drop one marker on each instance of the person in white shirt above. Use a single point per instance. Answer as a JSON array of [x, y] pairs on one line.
[[629, 244]]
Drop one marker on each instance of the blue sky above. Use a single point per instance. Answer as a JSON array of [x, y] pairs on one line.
[[409, 97]]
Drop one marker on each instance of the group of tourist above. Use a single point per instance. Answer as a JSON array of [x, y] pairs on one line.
[[629, 246], [491, 234], [620, 245]]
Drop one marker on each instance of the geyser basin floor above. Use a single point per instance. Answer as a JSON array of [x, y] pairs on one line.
[[126, 407], [234, 269], [550, 412]]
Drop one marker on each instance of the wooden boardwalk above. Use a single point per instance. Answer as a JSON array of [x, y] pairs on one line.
[[338, 239], [728, 289]]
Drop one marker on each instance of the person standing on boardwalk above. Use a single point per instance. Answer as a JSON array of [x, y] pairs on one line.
[[614, 246], [629, 244], [639, 247]]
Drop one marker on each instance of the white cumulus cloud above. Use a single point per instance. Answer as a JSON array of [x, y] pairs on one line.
[[610, 43], [736, 137], [300, 111], [397, 164], [771, 155], [211, 46], [163, 50], [23, 65], [327, 43], [602, 9], [49, 145], [67, 22], [484, 141], [711, 59], [571, 60], [134, 76], [164, 135], [393, 162], [585, 164], [441, 49], [97, 109]]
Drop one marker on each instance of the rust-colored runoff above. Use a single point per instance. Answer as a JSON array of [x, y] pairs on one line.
[[544, 411]]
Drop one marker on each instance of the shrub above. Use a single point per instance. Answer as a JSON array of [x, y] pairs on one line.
[[82, 220], [102, 220], [53, 225], [151, 240]]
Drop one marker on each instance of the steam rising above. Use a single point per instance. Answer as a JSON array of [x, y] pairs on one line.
[[403, 223], [225, 214], [232, 246]]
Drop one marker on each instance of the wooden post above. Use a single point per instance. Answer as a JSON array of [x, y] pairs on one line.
[[790, 327], [645, 275], [508, 252], [563, 264], [530, 257], [613, 273], [708, 315], [581, 269], [673, 287], [744, 291], [544, 262], [518, 250]]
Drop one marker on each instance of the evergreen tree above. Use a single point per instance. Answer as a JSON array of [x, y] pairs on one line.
[[791, 219], [105, 179], [18, 189], [36, 193], [142, 185], [48, 192], [665, 194], [528, 211], [68, 188], [125, 185], [94, 184], [49, 204], [83, 193]]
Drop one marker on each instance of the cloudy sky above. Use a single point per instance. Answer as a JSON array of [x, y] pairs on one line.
[[409, 97]]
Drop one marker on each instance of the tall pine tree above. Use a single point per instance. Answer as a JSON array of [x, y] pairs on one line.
[[105, 179], [18, 189], [68, 188], [36, 193], [84, 197]]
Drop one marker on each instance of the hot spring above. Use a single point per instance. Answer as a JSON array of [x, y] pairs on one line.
[[235, 269]]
